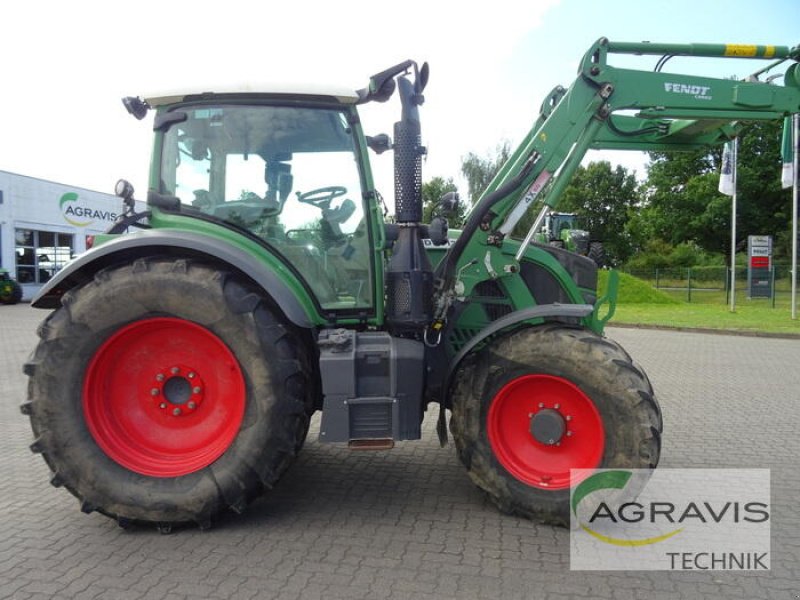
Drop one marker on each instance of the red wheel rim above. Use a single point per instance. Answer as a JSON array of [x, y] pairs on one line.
[[534, 462], [163, 397]]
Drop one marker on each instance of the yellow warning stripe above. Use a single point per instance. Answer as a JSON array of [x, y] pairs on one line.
[[740, 50], [749, 50]]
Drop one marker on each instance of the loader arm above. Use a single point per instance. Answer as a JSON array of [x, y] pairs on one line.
[[613, 108]]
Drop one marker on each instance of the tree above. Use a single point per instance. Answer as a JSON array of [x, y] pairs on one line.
[[432, 191], [677, 194], [681, 202], [480, 170]]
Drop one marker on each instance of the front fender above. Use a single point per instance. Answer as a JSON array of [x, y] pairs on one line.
[[509, 322], [572, 311], [298, 308]]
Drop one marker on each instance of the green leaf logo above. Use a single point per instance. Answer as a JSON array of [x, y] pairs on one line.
[[66, 212]]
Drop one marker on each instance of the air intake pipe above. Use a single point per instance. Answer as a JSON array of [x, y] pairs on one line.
[[409, 277]]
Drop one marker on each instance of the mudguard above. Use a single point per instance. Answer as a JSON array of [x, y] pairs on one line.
[[576, 311], [183, 243]]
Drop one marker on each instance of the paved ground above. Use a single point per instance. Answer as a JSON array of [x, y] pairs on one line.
[[407, 523]]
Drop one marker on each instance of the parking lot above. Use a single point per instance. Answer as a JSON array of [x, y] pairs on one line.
[[408, 523]]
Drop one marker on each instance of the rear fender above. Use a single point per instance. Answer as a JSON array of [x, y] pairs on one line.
[[296, 305]]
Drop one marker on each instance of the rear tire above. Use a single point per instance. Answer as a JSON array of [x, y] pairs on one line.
[[166, 392], [12, 294], [579, 381], [597, 253]]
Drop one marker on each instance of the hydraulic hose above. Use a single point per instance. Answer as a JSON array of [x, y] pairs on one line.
[[446, 268]]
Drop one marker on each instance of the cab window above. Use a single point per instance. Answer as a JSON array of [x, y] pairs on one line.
[[288, 175]]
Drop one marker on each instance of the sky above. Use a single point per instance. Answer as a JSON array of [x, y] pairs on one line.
[[66, 65]]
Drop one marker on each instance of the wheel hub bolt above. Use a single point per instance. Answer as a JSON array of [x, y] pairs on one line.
[[179, 390]]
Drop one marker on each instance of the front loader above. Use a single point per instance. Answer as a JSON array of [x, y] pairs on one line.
[[177, 372]]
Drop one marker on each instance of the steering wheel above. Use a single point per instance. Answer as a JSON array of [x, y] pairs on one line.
[[321, 197]]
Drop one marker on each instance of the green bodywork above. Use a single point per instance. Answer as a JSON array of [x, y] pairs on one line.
[[605, 108]]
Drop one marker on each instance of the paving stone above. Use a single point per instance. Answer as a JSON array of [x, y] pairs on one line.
[[406, 523]]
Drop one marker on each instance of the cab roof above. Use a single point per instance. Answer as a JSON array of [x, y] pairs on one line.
[[342, 95]]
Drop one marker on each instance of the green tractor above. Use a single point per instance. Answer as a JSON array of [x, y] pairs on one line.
[[177, 373], [562, 230], [10, 290]]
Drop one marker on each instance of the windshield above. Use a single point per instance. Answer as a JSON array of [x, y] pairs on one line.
[[288, 175]]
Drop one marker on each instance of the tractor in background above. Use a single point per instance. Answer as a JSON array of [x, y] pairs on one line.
[[10, 290], [562, 230]]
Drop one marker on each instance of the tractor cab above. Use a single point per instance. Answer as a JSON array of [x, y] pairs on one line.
[[558, 222], [283, 171], [565, 230]]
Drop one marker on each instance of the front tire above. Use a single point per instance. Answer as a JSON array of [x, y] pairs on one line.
[[166, 392], [540, 401]]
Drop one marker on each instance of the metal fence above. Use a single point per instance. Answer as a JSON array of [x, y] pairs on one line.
[[711, 285]]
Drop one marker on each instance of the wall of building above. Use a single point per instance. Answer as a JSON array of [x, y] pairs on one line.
[[43, 224]]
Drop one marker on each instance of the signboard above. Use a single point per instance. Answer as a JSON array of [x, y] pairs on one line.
[[759, 266]]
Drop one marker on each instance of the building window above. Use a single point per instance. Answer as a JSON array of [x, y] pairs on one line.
[[41, 254]]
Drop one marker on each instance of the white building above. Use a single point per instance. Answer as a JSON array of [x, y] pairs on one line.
[[43, 224]]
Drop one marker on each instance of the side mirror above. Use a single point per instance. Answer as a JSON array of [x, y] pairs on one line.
[[136, 106], [379, 143], [437, 231], [422, 78], [382, 85]]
